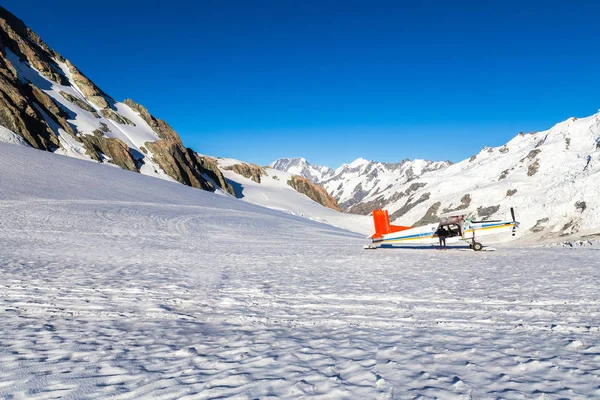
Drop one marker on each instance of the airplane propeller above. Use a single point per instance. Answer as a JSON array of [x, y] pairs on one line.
[[516, 225]]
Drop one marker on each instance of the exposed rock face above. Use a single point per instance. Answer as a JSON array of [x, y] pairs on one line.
[[367, 207], [430, 216], [40, 117], [179, 163], [539, 225], [250, 171], [570, 227], [89, 88], [533, 168], [22, 41], [81, 104], [532, 154], [118, 118], [511, 192], [465, 202], [313, 191], [57, 114], [486, 212], [187, 167], [580, 205], [159, 126], [97, 144], [210, 168], [17, 110], [18, 114], [409, 205]]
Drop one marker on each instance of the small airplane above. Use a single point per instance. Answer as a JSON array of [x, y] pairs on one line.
[[457, 224]]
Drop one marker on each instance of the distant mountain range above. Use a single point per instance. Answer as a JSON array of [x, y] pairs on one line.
[[351, 184], [545, 176]]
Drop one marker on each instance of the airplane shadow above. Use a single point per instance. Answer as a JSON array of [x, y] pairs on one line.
[[430, 247]]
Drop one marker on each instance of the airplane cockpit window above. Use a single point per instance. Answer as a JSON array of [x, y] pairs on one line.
[[452, 229]]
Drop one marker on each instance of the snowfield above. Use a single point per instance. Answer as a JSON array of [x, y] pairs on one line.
[[115, 284]]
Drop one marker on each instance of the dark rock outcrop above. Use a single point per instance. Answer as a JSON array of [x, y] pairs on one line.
[[210, 168], [97, 145], [540, 225], [162, 129], [314, 192], [53, 110], [486, 212], [533, 168], [118, 118], [18, 112], [80, 103], [28, 46], [89, 88], [580, 206], [179, 163], [465, 202], [409, 205], [430, 215], [250, 171], [367, 207]]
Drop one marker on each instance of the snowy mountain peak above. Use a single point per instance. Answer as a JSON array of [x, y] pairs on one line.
[[358, 162], [299, 166], [289, 162]]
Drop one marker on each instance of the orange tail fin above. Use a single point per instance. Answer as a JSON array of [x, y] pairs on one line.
[[381, 220]]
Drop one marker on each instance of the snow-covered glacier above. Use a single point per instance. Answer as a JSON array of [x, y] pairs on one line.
[[114, 284]]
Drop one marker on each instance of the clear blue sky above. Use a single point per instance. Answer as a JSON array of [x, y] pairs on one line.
[[335, 80]]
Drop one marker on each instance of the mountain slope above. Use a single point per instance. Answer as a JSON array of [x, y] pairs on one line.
[[53, 106], [290, 193]]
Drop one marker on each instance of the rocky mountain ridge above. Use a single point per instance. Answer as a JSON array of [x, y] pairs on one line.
[[47, 103], [54, 107]]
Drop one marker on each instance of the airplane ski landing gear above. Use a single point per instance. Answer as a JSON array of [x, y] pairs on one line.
[[476, 246]]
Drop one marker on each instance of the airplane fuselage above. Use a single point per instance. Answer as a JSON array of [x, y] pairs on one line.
[[427, 234]]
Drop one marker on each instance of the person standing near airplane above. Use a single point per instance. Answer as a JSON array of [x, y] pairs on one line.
[[442, 234]]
